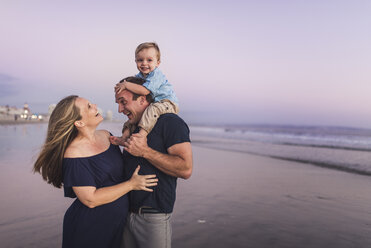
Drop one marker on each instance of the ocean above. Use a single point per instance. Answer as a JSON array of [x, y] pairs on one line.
[[342, 148]]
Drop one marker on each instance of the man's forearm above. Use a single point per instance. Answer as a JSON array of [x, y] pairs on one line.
[[177, 162], [170, 164]]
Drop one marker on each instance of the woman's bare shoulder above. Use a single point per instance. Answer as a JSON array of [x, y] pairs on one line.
[[73, 150], [104, 133], [79, 148]]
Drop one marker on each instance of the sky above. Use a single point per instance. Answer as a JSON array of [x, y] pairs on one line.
[[243, 62]]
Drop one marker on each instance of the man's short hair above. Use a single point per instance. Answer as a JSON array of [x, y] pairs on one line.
[[140, 81], [147, 45]]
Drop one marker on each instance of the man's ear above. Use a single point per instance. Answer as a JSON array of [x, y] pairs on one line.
[[142, 99], [79, 123]]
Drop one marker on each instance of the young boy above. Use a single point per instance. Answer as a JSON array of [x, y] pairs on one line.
[[147, 58]]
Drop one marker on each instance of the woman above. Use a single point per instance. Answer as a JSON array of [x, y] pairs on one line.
[[91, 169]]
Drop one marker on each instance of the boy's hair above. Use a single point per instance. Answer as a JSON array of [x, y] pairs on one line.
[[147, 45], [140, 81]]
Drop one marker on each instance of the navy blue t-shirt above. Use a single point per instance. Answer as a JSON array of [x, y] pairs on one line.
[[169, 130]]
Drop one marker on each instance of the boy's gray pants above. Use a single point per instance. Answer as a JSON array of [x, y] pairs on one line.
[[147, 230]]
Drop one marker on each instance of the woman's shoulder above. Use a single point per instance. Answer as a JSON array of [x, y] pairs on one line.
[[79, 149], [104, 133], [73, 150]]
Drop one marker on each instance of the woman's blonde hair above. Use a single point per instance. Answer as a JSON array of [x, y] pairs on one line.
[[61, 132]]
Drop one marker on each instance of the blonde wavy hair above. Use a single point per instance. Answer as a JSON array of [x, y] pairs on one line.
[[61, 132]]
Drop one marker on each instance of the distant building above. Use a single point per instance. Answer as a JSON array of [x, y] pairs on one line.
[[6, 110], [26, 114], [13, 113], [109, 115]]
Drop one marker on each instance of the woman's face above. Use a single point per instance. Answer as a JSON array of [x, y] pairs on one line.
[[88, 112]]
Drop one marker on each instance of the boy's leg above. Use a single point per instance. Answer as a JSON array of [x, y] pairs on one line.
[[127, 130], [126, 134], [153, 112], [128, 126]]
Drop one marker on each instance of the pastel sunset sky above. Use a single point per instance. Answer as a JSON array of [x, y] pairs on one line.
[[273, 62]]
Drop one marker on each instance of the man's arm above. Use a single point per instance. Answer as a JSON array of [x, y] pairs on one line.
[[178, 162]]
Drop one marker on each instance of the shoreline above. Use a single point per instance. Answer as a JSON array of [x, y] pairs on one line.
[[313, 163], [20, 121], [354, 161]]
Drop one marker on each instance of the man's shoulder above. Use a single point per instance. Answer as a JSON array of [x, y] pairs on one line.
[[170, 118], [171, 123], [171, 129]]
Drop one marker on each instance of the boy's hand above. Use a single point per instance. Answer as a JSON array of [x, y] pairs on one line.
[[120, 87]]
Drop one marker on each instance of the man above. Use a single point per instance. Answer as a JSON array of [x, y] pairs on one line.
[[166, 152]]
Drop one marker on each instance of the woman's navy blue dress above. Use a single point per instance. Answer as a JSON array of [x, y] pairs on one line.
[[101, 226]]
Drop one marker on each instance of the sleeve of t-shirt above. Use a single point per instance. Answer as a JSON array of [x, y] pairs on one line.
[[76, 172], [154, 81], [175, 130]]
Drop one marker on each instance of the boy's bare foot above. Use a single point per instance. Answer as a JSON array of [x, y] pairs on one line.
[[118, 141]]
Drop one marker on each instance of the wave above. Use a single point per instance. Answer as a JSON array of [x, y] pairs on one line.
[[326, 146], [348, 160], [321, 137]]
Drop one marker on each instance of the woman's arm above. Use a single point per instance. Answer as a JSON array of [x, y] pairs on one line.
[[93, 197]]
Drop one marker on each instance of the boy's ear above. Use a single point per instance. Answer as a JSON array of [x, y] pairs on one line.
[[158, 62], [79, 123]]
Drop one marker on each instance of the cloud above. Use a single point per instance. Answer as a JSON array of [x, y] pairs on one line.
[[7, 85]]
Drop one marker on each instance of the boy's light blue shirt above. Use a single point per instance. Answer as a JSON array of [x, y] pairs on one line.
[[159, 87]]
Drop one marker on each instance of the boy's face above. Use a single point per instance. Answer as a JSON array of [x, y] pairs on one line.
[[147, 60]]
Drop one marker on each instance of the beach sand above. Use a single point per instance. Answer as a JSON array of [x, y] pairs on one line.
[[232, 200], [242, 200]]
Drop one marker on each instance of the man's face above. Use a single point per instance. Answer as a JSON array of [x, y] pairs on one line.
[[133, 109]]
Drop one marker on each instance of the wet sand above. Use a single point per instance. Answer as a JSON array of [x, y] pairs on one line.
[[232, 200], [31, 211], [242, 200]]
